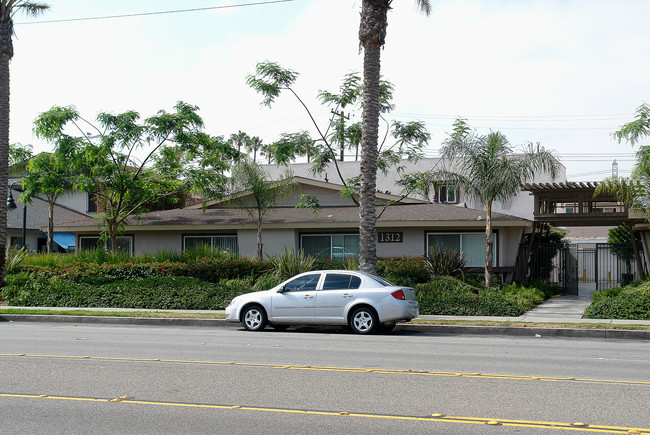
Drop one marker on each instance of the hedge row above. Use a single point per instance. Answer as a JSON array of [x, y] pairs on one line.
[[206, 269], [154, 292], [629, 302], [449, 296], [442, 295]]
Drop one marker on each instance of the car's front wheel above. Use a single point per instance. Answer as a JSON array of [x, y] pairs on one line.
[[364, 320], [254, 318]]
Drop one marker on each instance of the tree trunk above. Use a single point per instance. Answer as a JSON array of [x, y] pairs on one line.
[[372, 32], [50, 227], [637, 257], [6, 53], [260, 246], [488, 245]]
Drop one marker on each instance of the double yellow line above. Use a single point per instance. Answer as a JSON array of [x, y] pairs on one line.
[[336, 369], [434, 418]]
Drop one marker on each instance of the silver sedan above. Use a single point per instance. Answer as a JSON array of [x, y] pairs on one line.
[[327, 297]]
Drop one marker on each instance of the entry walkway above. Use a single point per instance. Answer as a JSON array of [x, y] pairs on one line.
[[564, 308]]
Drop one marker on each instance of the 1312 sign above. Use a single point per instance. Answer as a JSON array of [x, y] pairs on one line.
[[390, 237]]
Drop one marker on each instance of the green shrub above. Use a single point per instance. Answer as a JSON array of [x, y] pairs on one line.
[[405, 271], [290, 263], [445, 261], [266, 282], [14, 257], [629, 302], [445, 295], [156, 292]]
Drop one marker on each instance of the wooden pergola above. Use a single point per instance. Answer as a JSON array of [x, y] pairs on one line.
[[574, 204]]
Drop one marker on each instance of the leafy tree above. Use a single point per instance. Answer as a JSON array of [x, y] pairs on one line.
[[486, 168], [638, 129], [8, 9], [51, 175], [633, 191], [372, 36], [174, 147], [19, 156], [255, 194], [270, 79]]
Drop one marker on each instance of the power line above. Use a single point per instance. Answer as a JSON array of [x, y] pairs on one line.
[[587, 117], [141, 14]]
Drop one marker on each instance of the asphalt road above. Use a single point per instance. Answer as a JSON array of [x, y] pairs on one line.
[[61, 378]]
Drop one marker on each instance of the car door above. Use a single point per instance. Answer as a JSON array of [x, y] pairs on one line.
[[337, 292], [296, 301]]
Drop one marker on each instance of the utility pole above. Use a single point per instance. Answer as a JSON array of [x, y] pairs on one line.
[[343, 118]]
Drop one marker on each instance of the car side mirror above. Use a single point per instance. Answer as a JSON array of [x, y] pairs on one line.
[[282, 289]]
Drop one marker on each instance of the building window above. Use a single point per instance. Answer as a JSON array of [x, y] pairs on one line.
[[124, 243], [447, 194], [333, 246], [471, 245], [92, 203], [215, 243]]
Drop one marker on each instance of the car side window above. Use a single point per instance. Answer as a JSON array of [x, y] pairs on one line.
[[337, 281], [303, 283]]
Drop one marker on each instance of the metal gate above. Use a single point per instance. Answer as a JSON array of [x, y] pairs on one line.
[[566, 265], [553, 263], [615, 265]]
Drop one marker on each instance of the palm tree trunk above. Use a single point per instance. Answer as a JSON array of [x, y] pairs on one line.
[[372, 31], [488, 245], [6, 53], [260, 246]]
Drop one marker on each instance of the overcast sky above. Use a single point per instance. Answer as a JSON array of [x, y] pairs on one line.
[[565, 73]]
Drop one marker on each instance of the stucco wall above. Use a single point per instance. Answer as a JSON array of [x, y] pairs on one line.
[[77, 201], [153, 242], [273, 241]]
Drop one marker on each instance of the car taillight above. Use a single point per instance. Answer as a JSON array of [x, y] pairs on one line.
[[399, 294]]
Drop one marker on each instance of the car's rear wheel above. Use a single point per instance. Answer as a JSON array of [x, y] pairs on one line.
[[364, 320], [254, 318]]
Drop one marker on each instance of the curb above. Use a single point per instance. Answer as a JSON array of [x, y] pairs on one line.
[[513, 331]]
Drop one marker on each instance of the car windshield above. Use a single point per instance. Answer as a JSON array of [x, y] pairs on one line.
[[381, 281]]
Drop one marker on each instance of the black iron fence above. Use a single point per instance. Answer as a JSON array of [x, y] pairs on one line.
[[566, 265]]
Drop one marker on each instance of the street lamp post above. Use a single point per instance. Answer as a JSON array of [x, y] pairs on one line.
[[11, 205]]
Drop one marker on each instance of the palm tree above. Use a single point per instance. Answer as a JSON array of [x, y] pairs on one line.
[[8, 8], [238, 140], [487, 169], [372, 35], [253, 144], [255, 194]]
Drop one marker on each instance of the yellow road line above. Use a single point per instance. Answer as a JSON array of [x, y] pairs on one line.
[[336, 369], [439, 418]]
